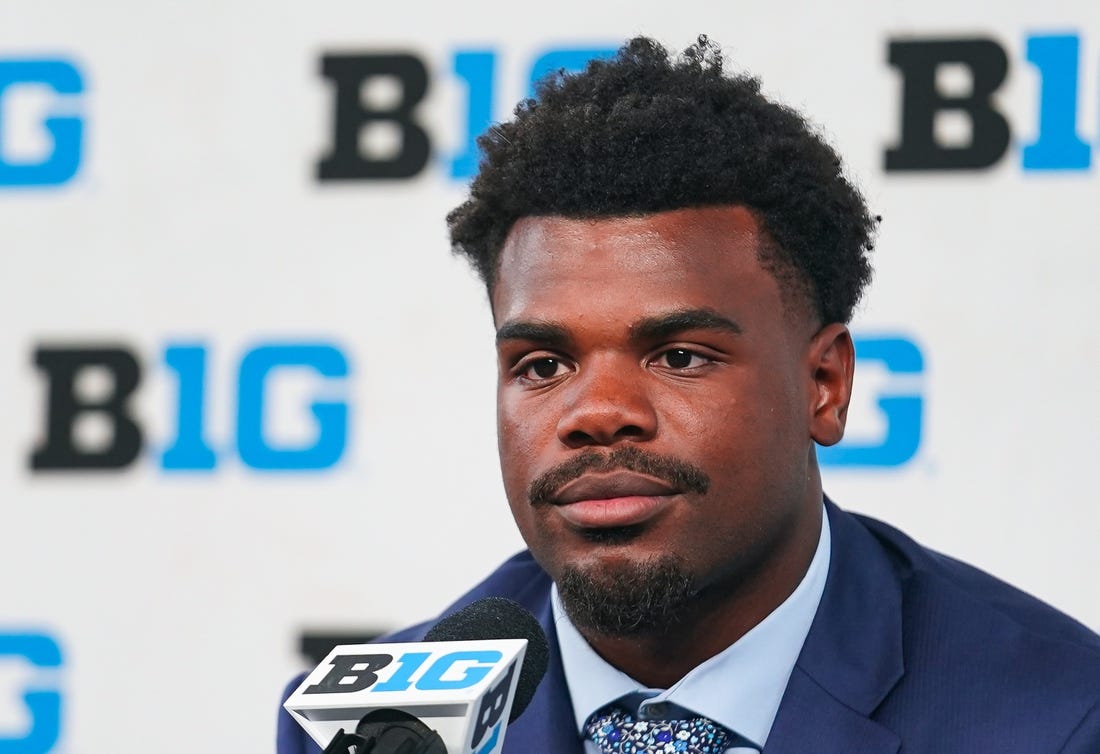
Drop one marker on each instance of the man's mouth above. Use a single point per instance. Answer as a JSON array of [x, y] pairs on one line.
[[613, 499]]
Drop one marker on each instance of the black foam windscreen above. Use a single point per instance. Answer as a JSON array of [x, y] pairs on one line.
[[500, 618]]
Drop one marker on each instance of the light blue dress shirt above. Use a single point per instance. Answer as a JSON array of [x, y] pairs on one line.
[[739, 688]]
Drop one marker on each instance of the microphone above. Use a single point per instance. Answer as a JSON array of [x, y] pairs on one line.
[[501, 618], [454, 693]]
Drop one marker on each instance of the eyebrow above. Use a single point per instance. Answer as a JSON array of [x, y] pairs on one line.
[[674, 322], [536, 331], [651, 328]]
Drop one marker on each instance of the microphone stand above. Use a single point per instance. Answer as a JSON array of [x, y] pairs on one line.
[[387, 731]]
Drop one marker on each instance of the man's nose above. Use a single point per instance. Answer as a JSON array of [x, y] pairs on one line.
[[608, 402]]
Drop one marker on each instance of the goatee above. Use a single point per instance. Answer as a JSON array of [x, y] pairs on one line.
[[627, 599]]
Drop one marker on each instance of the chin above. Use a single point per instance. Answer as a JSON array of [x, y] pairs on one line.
[[616, 595]]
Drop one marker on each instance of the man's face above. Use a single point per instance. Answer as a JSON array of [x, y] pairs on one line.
[[657, 401]]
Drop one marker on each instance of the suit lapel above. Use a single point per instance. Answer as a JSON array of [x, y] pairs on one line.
[[810, 719], [852, 657]]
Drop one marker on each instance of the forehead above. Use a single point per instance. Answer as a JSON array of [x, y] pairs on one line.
[[699, 257]]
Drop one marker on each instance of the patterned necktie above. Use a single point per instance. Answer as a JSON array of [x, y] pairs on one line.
[[617, 732]]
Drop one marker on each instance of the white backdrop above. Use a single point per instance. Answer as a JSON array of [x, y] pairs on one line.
[[194, 216]]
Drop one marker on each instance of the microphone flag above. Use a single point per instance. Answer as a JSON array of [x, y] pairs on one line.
[[462, 689]]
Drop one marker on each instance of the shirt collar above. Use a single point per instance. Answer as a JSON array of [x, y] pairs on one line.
[[741, 687]]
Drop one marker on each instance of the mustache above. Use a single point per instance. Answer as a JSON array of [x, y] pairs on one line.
[[681, 475]]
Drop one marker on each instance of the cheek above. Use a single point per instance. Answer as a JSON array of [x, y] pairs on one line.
[[748, 424], [517, 436], [735, 411]]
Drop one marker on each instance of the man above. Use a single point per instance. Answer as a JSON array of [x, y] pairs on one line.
[[671, 261]]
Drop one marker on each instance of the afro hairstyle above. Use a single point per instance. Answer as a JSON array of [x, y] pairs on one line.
[[642, 133]]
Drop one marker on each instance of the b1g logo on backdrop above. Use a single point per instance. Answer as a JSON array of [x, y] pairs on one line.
[[377, 133], [889, 375], [69, 402], [30, 692], [959, 78], [41, 130]]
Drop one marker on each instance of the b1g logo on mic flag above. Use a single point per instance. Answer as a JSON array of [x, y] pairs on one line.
[[39, 146], [30, 699], [461, 689]]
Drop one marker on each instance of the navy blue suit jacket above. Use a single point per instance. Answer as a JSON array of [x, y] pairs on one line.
[[910, 651]]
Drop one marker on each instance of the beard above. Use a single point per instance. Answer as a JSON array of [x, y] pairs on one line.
[[626, 599]]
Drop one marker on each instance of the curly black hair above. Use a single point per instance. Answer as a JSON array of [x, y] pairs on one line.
[[643, 133]]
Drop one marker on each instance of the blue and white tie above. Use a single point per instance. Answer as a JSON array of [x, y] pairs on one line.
[[617, 732]]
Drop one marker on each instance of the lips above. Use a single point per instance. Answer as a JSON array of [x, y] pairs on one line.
[[620, 498], [611, 485]]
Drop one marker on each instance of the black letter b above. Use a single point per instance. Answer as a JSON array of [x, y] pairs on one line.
[[918, 61], [346, 678], [346, 161], [492, 706], [63, 406]]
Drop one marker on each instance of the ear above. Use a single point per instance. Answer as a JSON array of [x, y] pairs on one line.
[[832, 363]]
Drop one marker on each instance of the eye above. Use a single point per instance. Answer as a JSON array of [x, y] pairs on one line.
[[680, 359], [544, 368]]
